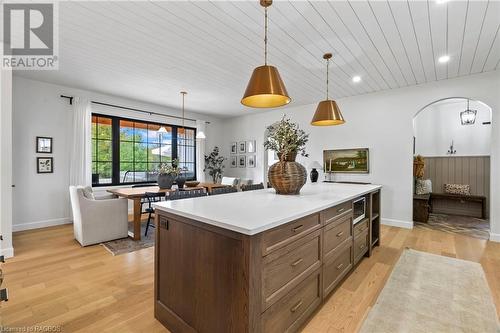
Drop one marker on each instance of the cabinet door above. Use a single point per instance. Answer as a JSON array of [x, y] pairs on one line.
[[201, 274]]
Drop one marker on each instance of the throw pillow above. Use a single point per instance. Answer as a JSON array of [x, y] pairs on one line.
[[88, 193], [423, 186], [457, 189]]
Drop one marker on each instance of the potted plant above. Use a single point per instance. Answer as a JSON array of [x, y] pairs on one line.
[[168, 173], [214, 163], [287, 140]]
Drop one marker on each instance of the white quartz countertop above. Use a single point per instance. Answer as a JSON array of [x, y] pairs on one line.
[[253, 212]]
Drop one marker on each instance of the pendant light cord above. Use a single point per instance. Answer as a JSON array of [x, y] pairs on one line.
[[327, 67], [265, 36]]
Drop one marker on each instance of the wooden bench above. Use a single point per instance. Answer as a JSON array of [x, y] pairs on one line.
[[459, 204]]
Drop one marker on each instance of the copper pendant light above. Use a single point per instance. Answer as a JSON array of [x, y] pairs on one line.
[[328, 112], [265, 88]]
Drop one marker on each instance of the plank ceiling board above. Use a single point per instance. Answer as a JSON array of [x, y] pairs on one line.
[[487, 38], [150, 51], [458, 13], [438, 24], [473, 31]]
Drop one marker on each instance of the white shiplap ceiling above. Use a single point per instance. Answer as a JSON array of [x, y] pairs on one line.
[[150, 51]]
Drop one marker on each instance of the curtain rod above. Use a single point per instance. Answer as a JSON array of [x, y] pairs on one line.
[[131, 109]]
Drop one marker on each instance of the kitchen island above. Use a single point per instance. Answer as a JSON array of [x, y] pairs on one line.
[[256, 261]]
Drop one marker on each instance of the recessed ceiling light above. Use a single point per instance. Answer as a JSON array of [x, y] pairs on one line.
[[444, 59], [356, 79]]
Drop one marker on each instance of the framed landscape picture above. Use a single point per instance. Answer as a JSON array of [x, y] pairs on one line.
[[234, 161], [44, 165], [234, 147], [355, 160], [242, 161], [43, 145]]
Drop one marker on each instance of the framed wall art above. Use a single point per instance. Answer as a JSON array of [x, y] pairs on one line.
[[234, 147], [44, 165], [346, 160], [251, 146], [44, 145], [242, 147], [251, 161], [242, 161], [233, 161]]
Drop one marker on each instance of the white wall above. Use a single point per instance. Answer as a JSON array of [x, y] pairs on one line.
[[42, 200], [6, 163], [383, 122], [439, 124]]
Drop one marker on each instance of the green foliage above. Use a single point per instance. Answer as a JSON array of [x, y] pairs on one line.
[[215, 164], [286, 137], [172, 169]]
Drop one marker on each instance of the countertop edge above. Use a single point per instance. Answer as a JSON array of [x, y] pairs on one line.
[[271, 225]]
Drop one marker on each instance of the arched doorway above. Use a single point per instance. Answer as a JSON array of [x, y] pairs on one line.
[[452, 149]]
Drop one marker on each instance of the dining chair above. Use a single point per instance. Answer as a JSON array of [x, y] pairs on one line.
[[223, 190], [252, 187], [177, 195], [151, 197], [143, 200]]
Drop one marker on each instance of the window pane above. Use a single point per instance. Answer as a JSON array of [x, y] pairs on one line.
[[166, 153], [126, 130], [104, 151], [153, 135], [153, 152], [153, 172], [141, 132], [94, 149], [103, 128], [104, 171], [126, 172], [141, 172], [126, 151], [140, 152]]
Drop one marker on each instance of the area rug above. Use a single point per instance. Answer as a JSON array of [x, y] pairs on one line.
[[463, 225], [126, 245], [432, 293]]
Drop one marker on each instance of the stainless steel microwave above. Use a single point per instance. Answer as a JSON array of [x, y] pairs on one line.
[[359, 209]]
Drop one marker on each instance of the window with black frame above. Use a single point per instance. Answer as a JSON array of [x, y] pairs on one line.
[[127, 151]]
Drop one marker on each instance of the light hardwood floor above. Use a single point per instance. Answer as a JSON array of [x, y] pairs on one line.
[[53, 281]]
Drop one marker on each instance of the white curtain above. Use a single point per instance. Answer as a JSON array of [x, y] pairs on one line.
[[80, 172], [200, 152]]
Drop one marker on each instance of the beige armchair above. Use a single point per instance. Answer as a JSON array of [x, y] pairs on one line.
[[97, 220]]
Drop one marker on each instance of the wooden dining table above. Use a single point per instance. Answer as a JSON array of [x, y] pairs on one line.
[[136, 194], [210, 186]]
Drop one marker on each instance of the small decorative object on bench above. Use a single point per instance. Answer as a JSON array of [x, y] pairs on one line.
[[457, 189], [285, 137], [423, 186]]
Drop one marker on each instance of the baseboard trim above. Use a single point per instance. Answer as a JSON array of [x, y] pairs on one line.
[[8, 252], [397, 223], [40, 224], [494, 237]]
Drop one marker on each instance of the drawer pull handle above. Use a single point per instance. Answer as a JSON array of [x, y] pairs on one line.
[[362, 246], [340, 266], [296, 262], [340, 234], [297, 228], [296, 306], [340, 210]]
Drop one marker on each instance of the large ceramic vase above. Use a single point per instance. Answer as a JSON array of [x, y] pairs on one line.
[[287, 176], [165, 181]]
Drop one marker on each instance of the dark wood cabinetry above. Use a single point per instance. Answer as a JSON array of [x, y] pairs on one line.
[[209, 279]]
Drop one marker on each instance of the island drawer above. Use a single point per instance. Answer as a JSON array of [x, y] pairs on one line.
[[283, 235], [360, 246], [336, 267], [331, 214], [336, 233], [294, 309], [360, 227], [284, 269]]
